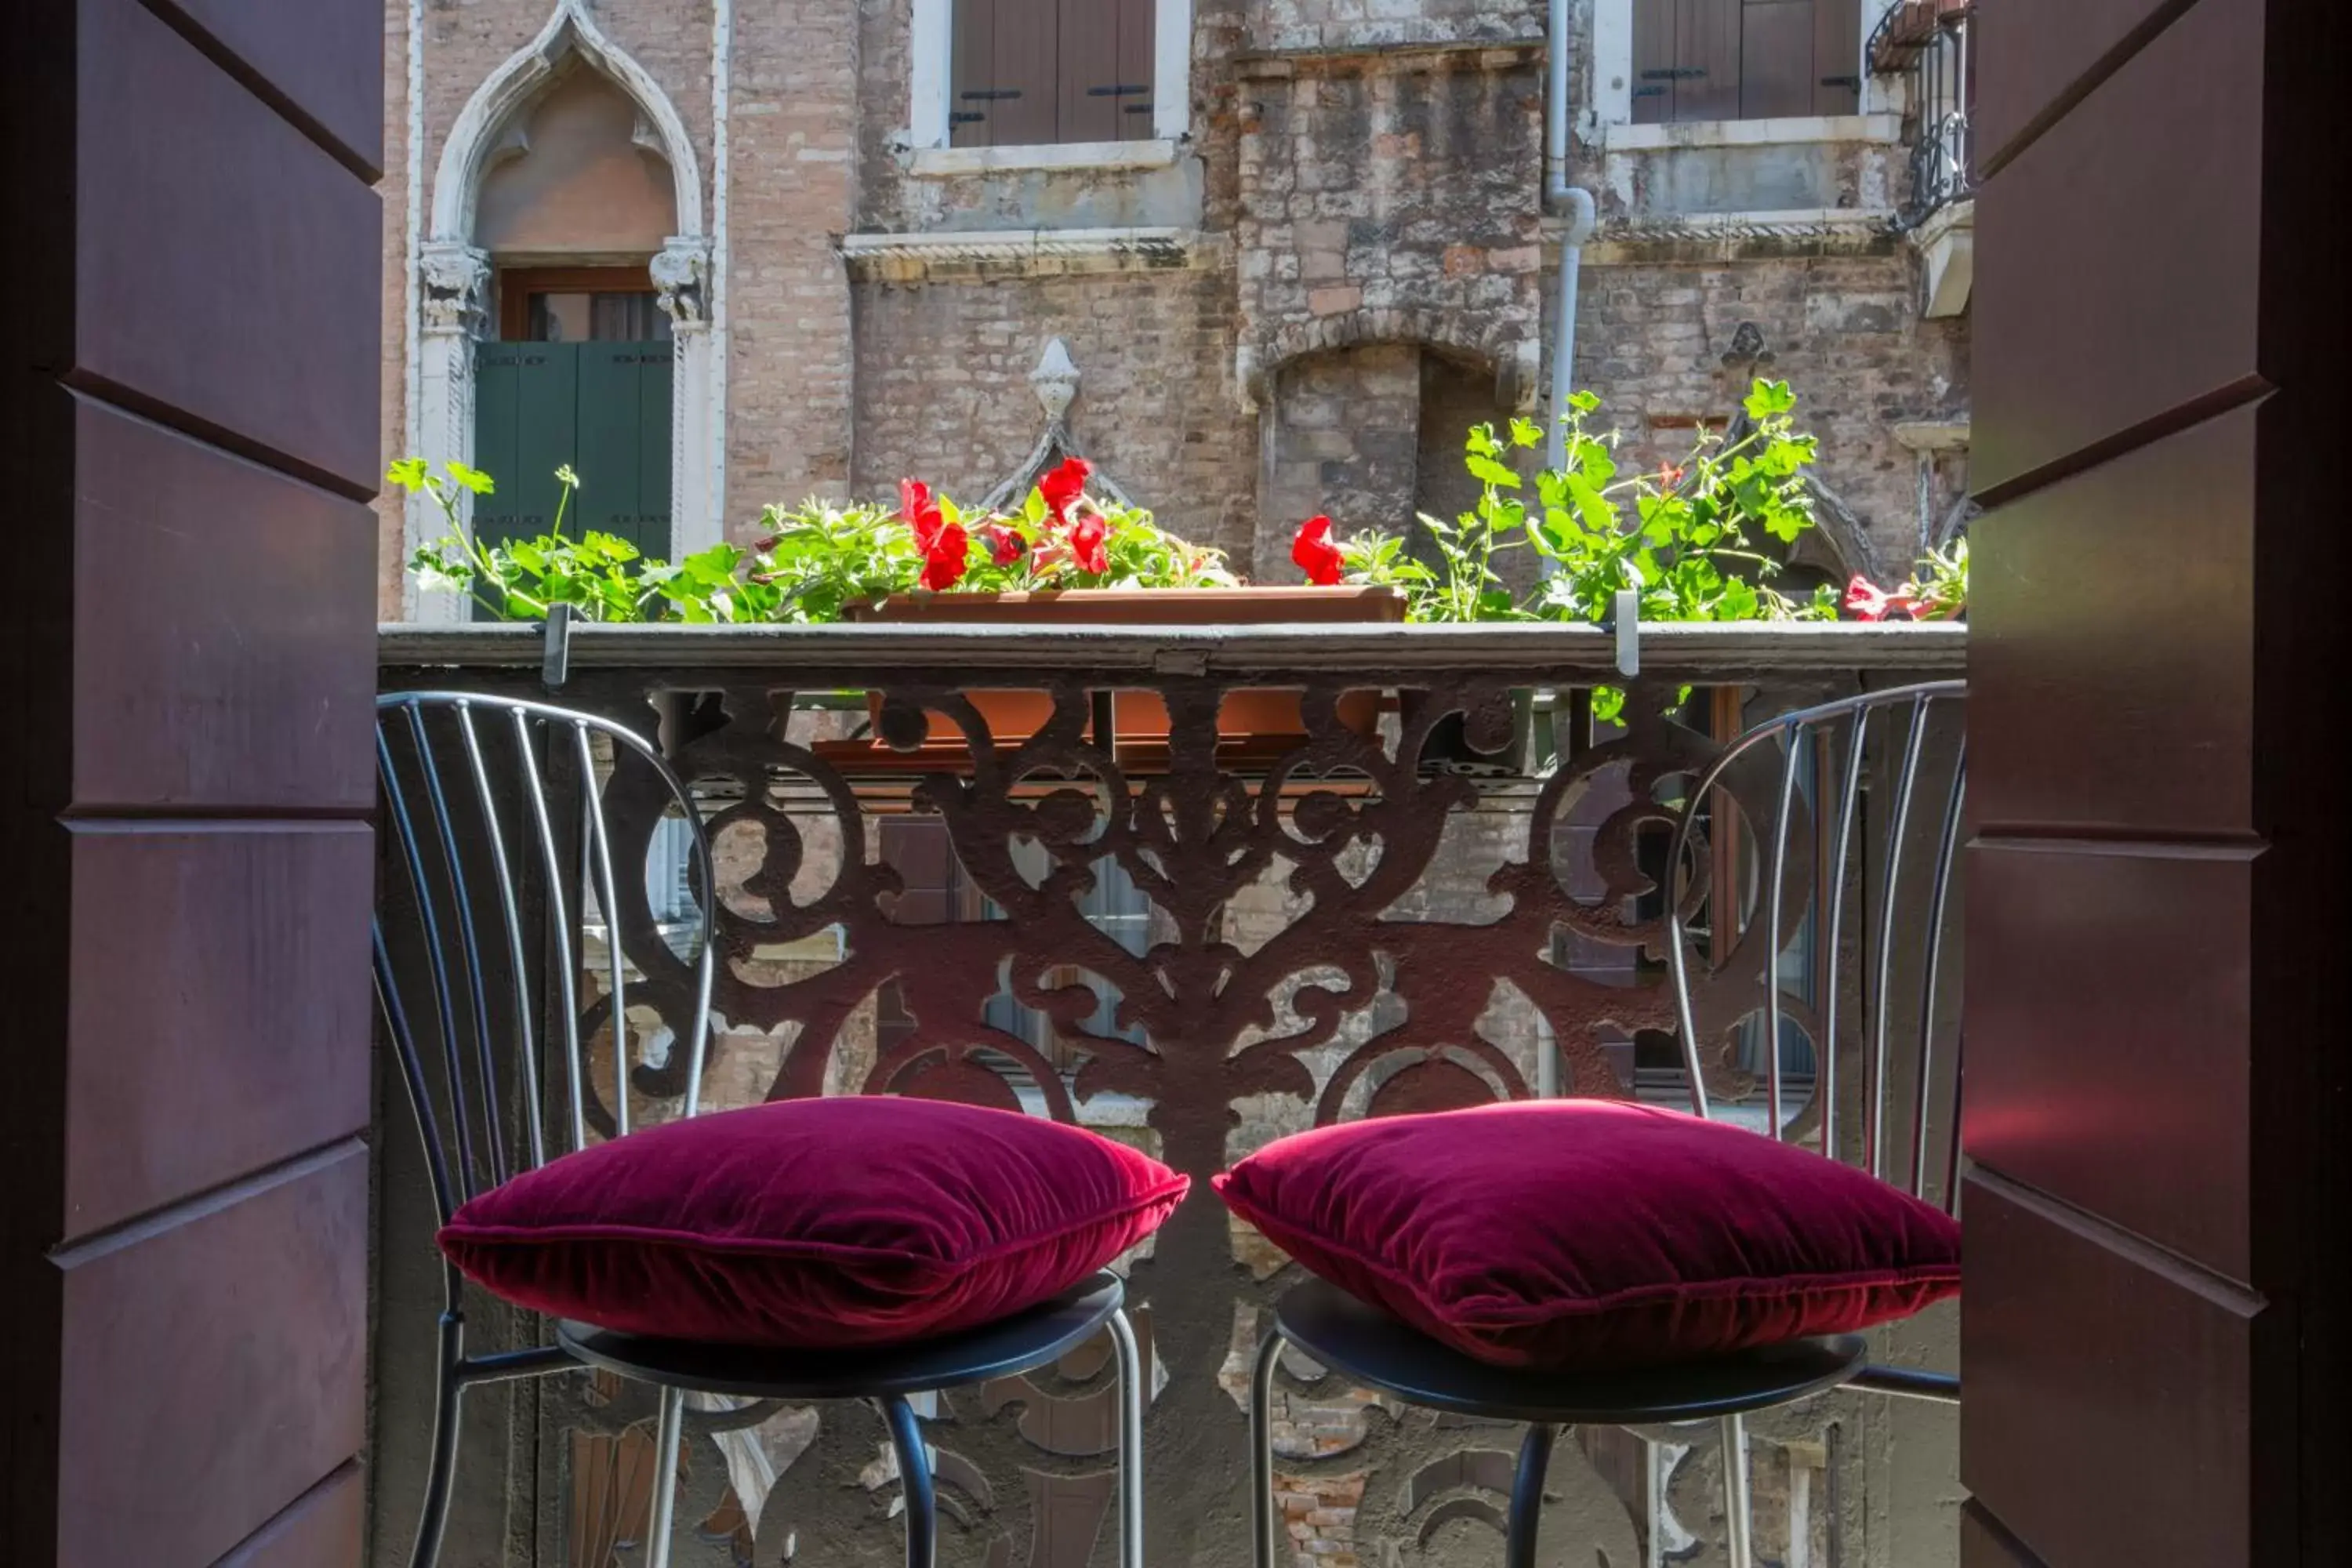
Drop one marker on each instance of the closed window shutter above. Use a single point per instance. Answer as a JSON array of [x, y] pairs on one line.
[[1776, 58], [1745, 60], [1038, 72]]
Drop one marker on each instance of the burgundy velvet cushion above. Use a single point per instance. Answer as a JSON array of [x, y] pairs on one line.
[[815, 1222], [1588, 1233]]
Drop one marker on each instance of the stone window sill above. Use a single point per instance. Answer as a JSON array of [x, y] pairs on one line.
[[947, 162], [1811, 127]]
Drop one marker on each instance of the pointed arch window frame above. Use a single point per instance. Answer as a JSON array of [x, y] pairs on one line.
[[453, 308]]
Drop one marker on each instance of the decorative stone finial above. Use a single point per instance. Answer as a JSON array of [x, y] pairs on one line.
[[1055, 380]]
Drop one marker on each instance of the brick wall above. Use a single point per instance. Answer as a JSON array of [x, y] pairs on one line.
[[942, 389]]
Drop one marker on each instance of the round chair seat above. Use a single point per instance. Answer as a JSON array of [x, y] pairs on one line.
[[1003, 1349], [1372, 1349]]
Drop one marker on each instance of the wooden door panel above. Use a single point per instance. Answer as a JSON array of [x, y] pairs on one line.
[[2034, 51], [2095, 340], [2083, 713], [1984, 1544], [322, 55], [2121, 1385], [269, 574], [216, 1368], [2117, 1032], [245, 1041], [244, 320]]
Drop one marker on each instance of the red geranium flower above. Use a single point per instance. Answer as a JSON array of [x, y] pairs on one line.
[[920, 509], [1004, 545], [1866, 600], [1063, 488], [945, 554], [1670, 477], [1315, 553], [1088, 540]]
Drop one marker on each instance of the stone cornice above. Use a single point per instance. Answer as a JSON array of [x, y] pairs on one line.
[[1024, 253]]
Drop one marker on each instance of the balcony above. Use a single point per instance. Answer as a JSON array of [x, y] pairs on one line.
[[1195, 888], [1930, 45]]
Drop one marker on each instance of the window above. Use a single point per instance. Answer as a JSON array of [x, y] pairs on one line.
[[1029, 73], [1745, 60], [579, 305]]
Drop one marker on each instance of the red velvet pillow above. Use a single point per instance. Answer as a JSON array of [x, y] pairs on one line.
[[1577, 1233], [815, 1222]]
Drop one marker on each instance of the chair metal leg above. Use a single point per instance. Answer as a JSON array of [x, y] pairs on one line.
[[441, 1477], [1131, 1394], [915, 1478], [1739, 1509], [668, 1431], [1263, 1550], [1526, 1496]]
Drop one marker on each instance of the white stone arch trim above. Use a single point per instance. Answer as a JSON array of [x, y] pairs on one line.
[[453, 308], [477, 138]]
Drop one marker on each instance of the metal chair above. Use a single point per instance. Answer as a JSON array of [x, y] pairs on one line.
[[495, 859], [1377, 1352]]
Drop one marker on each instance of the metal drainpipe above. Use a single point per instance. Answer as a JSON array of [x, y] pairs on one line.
[[1560, 194]]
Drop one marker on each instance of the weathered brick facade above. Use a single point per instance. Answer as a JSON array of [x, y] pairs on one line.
[[1363, 267]]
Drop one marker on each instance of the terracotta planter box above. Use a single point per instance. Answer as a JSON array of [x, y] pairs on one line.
[[1258, 724]]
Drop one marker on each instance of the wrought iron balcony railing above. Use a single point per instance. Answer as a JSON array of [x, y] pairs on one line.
[[1929, 43], [1195, 887]]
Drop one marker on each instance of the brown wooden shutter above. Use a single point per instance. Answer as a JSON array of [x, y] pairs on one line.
[[1007, 57], [1088, 87], [1776, 58], [1837, 56], [1653, 61], [1137, 60], [1706, 59], [969, 123]]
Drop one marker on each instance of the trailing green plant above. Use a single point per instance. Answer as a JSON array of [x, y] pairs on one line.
[[812, 562], [602, 576], [1684, 537]]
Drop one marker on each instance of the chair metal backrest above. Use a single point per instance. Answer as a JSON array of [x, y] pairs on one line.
[[1911, 736], [498, 811]]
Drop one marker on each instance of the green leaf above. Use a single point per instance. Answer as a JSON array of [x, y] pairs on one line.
[[1768, 399], [1526, 433], [1584, 402], [474, 480], [1487, 472], [408, 473]]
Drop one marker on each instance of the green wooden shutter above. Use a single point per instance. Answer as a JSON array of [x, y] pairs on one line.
[[497, 389], [623, 424], [547, 429], [603, 409]]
